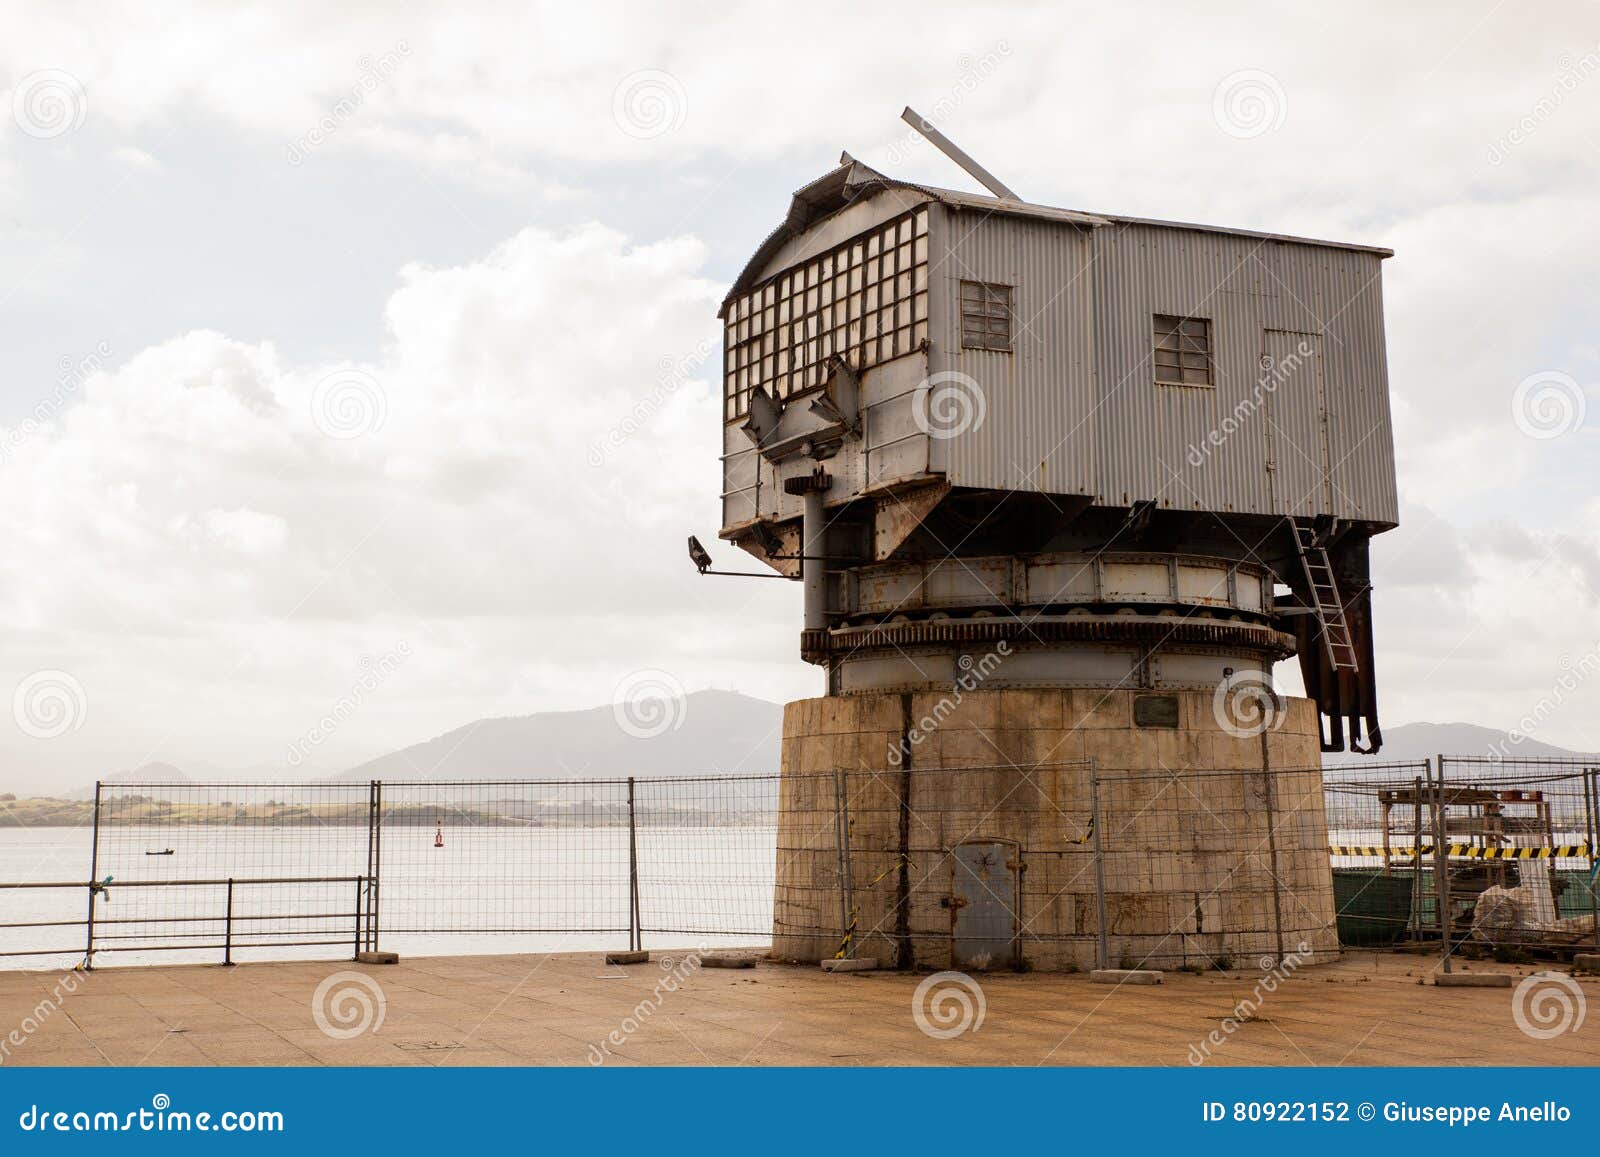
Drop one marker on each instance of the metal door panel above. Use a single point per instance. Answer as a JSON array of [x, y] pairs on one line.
[[984, 899], [1299, 465]]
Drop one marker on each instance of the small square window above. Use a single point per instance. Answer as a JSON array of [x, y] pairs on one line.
[[985, 316], [1182, 351]]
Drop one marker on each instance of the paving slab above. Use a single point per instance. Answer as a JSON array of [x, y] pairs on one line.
[[1371, 1009], [1473, 980]]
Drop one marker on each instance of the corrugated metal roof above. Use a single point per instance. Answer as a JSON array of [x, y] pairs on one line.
[[1289, 238], [839, 187]]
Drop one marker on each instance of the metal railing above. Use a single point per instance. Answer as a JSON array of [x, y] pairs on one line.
[[222, 924], [1477, 856]]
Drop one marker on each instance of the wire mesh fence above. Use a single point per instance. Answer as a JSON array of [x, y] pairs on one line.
[[1518, 836], [1049, 866], [531, 856], [977, 867], [185, 868], [705, 855], [1054, 866], [1380, 835], [1208, 869]]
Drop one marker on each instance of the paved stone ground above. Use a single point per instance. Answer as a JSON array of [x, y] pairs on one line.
[[1368, 1009]]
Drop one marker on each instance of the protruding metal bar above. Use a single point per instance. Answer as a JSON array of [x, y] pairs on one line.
[[950, 149]]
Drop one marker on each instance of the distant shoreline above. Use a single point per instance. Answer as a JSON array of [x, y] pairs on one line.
[[141, 811]]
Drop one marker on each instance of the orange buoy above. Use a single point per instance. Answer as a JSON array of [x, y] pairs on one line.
[[438, 836]]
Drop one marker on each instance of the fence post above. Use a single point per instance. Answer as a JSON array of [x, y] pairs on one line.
[[94, 877], [374, 860], [849, 862], [364, 906], [227, 927], [1591, 792], [1414, 915], [1441, 866], [839, 841], [1272, 850], [1103, 950], [842, 833], [635, 932]]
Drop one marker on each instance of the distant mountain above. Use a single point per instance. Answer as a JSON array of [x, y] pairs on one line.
[[705, 733], [1425, 740], [722, 731], [155, 772]]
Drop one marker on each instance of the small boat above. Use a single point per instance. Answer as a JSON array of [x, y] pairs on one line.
[[162, 852]]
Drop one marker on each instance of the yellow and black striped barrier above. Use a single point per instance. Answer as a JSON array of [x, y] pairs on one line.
[[1373, 850], [1562, 852], [1466, 852], [847, 943]]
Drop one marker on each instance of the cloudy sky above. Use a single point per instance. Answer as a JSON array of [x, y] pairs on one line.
[[361, 351]]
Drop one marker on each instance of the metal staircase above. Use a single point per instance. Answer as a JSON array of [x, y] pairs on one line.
[[1326, 605]]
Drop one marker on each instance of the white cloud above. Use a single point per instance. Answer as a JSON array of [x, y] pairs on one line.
[[191, 545], [1085, 106], [136, 159], [186, 539]]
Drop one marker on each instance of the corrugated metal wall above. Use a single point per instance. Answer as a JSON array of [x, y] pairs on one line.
[[1034, 434], [1207, 448]]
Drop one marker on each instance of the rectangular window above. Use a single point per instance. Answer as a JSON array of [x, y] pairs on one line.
[[1182, 351], [985, 316], [865, 300]]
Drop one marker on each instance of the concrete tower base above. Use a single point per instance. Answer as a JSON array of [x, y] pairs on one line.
[[969, 840]]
